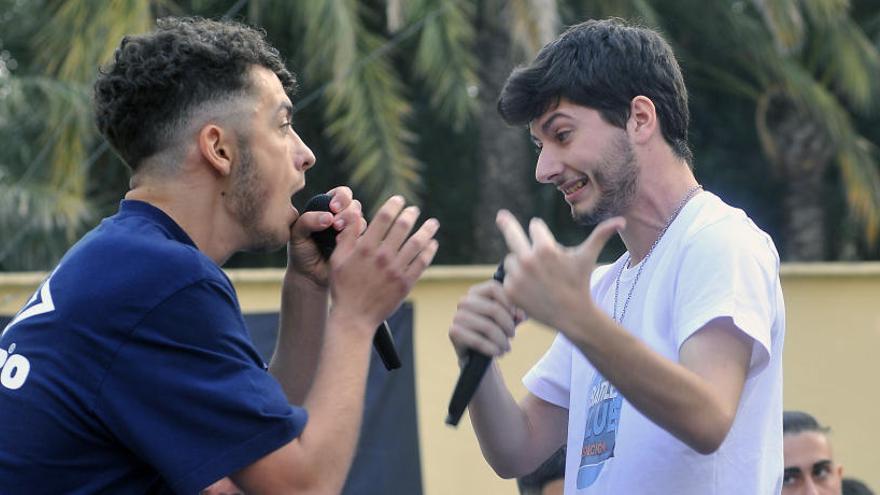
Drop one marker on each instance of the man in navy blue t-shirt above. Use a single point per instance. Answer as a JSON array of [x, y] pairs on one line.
[[130, 370]]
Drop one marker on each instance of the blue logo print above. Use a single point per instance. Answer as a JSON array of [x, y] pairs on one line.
[[600, 433]]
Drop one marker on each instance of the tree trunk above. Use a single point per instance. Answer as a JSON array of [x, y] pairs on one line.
[[505, 177], [804, 229], [802, 151]]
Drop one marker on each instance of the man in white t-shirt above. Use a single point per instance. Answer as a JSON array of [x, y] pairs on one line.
[[666, 374]]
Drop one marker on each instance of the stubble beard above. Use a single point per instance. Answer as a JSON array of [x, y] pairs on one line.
[[617, 182], [248, 204]]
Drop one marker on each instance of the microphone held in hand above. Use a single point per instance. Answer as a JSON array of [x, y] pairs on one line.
[[383, 342], [471, 375]]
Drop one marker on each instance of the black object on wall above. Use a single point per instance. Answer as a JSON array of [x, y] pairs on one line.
[[387, 458]]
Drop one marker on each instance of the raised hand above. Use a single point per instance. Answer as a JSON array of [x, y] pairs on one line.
[[372, 273], [550, 282]]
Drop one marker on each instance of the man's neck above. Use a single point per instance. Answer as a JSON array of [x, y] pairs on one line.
[[196, 210], [659, 198]]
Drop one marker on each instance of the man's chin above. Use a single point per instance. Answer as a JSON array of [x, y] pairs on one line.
[[584, 216], [267, 242]]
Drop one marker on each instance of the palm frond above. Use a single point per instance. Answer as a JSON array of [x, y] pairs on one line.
[[396, 13], [851, 64], [82, 34], [860, 169], [534, 23], [785, 23], [444, 58], [827, 12], [639, 11], [38, 222], [365, 107]]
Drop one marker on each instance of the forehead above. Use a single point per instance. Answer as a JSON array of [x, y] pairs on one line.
[[805, 448], [268, 90], [564, 111]]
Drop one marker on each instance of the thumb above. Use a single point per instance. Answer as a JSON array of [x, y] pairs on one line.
[[589, 250], [312, 221]]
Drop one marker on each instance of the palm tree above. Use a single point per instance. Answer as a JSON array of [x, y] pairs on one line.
[[369, 64], [44, 191], [808, 67], [349, 67]]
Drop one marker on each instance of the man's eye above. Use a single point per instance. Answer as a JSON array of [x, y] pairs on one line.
[[822, 471], [561, 136], [288, 124], [789, 479]]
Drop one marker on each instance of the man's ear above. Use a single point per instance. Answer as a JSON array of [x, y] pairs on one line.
[[217, 147], [642, 123]]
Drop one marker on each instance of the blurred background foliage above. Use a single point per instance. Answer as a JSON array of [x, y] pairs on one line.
[[398, 97]]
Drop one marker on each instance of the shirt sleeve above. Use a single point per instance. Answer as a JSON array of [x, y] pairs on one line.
[[550, 378], [189, 395], [729, 270]]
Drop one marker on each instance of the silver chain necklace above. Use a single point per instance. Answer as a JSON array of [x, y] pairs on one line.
[[687, 197]]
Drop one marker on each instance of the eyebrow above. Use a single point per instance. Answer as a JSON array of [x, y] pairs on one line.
[[792, 471], [821, 464], [545, 127], [287, 108]]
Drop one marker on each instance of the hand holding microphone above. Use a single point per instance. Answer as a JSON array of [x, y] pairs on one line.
[[384, 263], [472, 373]]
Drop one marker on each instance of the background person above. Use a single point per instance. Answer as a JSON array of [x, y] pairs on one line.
[[809, 463]]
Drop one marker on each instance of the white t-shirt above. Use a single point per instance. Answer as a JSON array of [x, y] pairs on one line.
[[712, 262]]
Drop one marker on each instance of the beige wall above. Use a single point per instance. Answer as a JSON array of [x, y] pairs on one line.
[[831, 362]]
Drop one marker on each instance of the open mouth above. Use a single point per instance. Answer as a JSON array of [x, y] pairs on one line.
[[572, 187]]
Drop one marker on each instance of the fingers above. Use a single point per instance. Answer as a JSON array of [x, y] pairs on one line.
[[589, 249], [484, 321], [312, 221], [413, 247], [540, 234], [513, 233], [422, 261], [401, 227], [352, 214], [385, 217], [342, 196], [346, 209]]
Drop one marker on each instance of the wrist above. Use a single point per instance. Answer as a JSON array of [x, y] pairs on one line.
[[351, 324], [583, 325], [304, 283]]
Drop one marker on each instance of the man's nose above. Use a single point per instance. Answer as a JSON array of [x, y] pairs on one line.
[[809, 487], [547, 167], [304, 158]]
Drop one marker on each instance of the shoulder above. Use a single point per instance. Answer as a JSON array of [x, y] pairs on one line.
[[136, 260], [718, 230]]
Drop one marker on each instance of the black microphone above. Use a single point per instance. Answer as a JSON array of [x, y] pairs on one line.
[[383, 341], [471, 375]]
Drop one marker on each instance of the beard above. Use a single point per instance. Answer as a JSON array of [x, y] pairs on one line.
[[617, 180], [248, 203]]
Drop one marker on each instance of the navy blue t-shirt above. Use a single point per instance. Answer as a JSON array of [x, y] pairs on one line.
[[131, 370]]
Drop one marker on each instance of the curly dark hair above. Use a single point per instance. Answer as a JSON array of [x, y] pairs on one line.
[[145, 97], [603, 64]]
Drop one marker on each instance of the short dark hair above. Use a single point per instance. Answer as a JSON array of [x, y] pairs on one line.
[[603, 64], [552, 469], [794, 422], [145, 96], [852, 486]]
